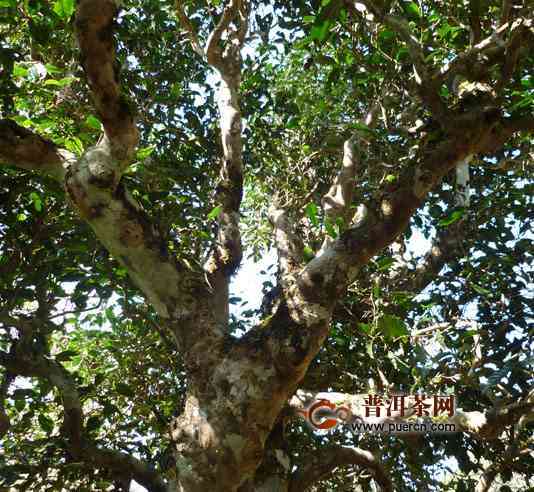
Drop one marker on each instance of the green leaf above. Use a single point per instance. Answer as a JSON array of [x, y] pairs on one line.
[[384, 263], [19, 71], [46, 423], [21, 393], [481, 290], [109, 409], [365, 327], [330, 229], [413, 9], [36, 200], [215, 212], [362, 127], [52, 68], [376, 291], [143, 153], [452, 218], [74, 144], [311, 213], [392, 326], [60, 82], [385, 35], [292, 122], [308, 253], [94, 123], [64, 8], [66, 355], [320, 32]]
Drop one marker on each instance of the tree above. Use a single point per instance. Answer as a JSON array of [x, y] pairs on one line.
[[145, 147]]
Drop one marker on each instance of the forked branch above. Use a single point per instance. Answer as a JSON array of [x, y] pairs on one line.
[[94, 30], [338, 201], [335, 267], [223, 53]]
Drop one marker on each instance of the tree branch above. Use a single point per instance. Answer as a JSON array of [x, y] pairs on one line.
[[225, 57], [126, 231], [491, 423], [380, 224], [288, 245], [27, 150], [214, 54], [338, 201], [323, 462], [37, 365], [447, 246], [189, 29], [7, 379], [474, 21], [481, 51], [506, 10], [382, 220], [228, 252], [511, 451], [428, 89], [94, 30], [92, 185]]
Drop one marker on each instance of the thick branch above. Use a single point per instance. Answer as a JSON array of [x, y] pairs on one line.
[[237, 10], [490, 424], [335, 267], [506, 10], [474, 21], [22, 148], [223, 53], [94, 30], [36, 365], [228, 252], [288, 245], [92, 185], [6, 380], [511, 452], [128, 234], [448, 245], [323, 463], [337, 202]]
